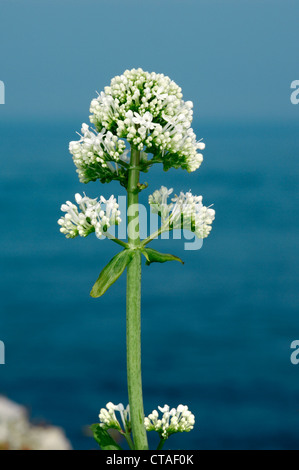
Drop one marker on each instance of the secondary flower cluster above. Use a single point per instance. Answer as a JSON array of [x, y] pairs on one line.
[[148, 111], [173, 420], [89, 217], [185, 211], [108, 419], [96, 155]]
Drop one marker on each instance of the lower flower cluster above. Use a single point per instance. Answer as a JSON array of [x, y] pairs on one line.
[[89, 216], [173, 420]]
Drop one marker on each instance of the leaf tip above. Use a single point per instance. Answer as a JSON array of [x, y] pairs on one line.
[[93, 294]]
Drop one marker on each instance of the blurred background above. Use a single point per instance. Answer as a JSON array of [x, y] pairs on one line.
[[216, 331]]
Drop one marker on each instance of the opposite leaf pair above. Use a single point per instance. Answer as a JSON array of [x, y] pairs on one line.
[[119, 262]]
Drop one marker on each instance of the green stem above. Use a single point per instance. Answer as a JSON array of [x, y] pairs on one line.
[[129, 440], [161, 444], [116, 240], [134, 310], [154, 235]]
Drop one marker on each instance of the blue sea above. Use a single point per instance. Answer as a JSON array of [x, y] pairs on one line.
[[216, 332]]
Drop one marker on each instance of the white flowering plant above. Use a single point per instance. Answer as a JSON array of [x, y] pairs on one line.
[[139, 120]]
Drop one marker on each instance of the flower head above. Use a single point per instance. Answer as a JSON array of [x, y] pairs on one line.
[[148, 111], [90, 215], [173, 420], [108, 419], [184, 212]]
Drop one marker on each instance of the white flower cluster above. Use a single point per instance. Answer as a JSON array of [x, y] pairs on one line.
[[185, 211], [89, 217], [96, 155], [174, 420], [108, 419], [17, 433], [148, 111]]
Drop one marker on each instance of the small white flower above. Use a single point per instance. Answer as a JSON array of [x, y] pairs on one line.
[[145, 121], [161, 94], [158, 202], [108, 419], [173, 420]]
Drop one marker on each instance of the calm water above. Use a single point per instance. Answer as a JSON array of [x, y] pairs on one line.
[[216, 331]]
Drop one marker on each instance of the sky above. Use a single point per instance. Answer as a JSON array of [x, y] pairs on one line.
[[235, 59]]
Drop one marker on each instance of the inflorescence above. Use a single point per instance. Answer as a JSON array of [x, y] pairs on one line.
[[147, 110], [89, 216], [184, 212], [173, 420]]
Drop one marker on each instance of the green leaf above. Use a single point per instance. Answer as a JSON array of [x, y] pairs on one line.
[[103, 438], [153, 256], [111, 272], [144, 252]]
